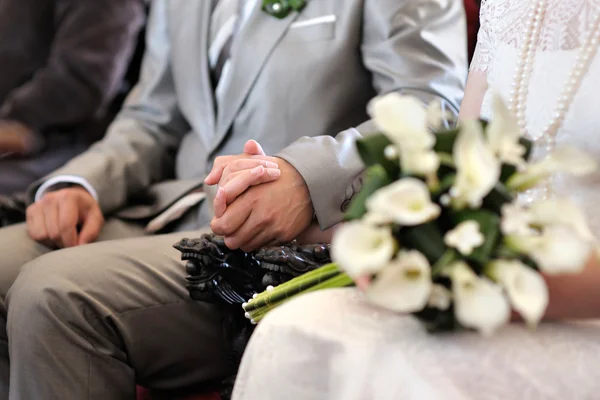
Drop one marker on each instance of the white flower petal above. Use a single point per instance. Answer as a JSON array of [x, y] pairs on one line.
[[375, 218], [398, 115], [526, 288], [503, 134], [404, 285], [465, 237], [574, 161], [403, 119], [361, 249], [516, 220], [407, 202], [559, 250], [478, 170], [419, 162], [479, 303], [558, 211], [440, 298], [566, 159]]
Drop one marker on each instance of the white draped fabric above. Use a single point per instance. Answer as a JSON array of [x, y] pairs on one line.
[[333, 345]]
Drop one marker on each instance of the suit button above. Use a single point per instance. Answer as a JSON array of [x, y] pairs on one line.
[[346, 205]]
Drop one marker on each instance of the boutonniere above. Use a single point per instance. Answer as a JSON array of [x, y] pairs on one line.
[[282, 8]]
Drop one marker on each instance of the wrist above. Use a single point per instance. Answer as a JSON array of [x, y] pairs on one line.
[[64, 182]]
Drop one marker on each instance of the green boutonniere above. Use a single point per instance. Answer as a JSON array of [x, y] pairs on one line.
[[282, 8]]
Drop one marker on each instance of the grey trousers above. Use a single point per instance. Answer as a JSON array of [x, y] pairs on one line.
[[88, 322]]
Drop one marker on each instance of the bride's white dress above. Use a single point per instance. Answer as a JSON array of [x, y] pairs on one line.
[[333, 345]]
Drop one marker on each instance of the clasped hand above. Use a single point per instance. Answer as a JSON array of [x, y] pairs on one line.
[[260, 200]]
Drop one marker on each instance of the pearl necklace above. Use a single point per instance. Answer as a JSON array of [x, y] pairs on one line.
[[520, 89]]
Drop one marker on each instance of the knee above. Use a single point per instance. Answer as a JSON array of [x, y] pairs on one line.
[[47, 302], [45, 288], [16, 250]]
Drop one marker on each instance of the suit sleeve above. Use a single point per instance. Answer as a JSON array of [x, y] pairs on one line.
[[90, 52], [413, 47], [140, 146]]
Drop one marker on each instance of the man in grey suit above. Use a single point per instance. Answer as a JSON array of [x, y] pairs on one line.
[[90, 320]]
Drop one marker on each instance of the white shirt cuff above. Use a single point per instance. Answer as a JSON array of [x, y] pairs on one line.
[[62, 179]]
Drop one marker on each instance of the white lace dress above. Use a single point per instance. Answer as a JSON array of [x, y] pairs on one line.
[[333, 345]]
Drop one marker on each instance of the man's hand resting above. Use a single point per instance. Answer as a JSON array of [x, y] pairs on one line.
[[235, 174], [65, 218], [274, 212]]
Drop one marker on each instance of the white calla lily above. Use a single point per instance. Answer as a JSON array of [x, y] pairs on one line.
[[406, 202], [560, 211], [557, 250], [377, 219], [478, 169], [567, 159], [440, 298], [361, 249], [403, 119], [503, 134], [465, 237], [419, 162], [404, 285], [516, 220], [526, 288], [479, 303]]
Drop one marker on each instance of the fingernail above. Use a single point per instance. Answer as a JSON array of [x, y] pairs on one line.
[[257, 170], [273, 172], [271, 164], [219, 194]]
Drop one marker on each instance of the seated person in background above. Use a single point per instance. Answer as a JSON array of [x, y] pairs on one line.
[[61, 63], [89, 320]]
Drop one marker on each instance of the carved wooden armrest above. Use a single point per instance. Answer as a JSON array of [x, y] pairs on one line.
[[219, 275]]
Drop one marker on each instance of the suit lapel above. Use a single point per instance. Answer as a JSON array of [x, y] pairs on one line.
[[201, 93], [253, 46]]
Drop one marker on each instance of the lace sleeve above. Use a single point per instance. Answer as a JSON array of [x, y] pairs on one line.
[[485, 39]]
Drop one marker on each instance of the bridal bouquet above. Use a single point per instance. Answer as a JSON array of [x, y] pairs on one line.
[[437, 230]]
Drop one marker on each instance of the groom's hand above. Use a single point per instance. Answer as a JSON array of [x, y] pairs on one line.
[[235, 174], [275, 212], [223, 165]]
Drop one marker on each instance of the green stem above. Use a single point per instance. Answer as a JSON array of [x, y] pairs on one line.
[[317, 272], [293, 287], [446, 159], [447, 258], [502, 251], [339, 281]]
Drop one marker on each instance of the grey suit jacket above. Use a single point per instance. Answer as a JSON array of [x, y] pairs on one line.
[[300, 91]]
